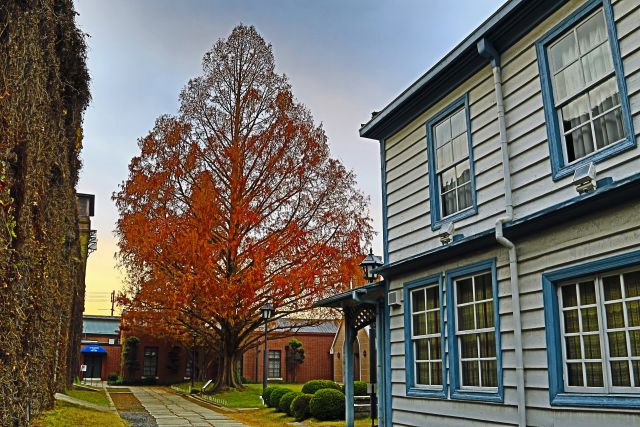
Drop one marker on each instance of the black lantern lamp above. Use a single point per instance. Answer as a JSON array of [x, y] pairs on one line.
[[267, 311], [370, 263]]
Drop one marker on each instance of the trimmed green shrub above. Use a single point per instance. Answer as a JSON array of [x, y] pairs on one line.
[[267, 393], [276, 395], [285, 401], [310, 387], [300, 407], [327, 404], [359, 388]]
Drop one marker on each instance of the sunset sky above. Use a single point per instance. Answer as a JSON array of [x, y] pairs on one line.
[[344, 59]]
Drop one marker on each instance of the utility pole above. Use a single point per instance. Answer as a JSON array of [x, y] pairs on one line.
[[113, 301]]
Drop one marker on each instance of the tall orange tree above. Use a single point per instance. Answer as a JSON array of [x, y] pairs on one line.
[[236, 202]]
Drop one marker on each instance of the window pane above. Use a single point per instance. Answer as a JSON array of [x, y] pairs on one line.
[[484, 315], [594, 374], [443, 132], [636, 372], [579, 143], [571, 324], [433, 322], [436, 373], [569, 296], [617, 344], [449, 203], [468, 346], [436, 348], [611, 286], [422, 349], [463, 174], [615, 316], [568, 81], [418, 300], [444, 156], [487, 344], [591, 33], [591, 346], [575, 113], [634, 337], [458, 123], [572, 345], [489, 373], [433, 299], [574, 376], [633, 313], [422, 373], [470, 373], [460, 148], [419, 324], [465, 318], [604, 97], [620, 374], [597, 63], [464, 197], [464, 290], [587, 293], [448, 180], [484, 289], [609, 128], [632, 284], [563, 52], [589, 319]]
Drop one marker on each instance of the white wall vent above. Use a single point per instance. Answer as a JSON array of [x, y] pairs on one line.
[[393, 299]]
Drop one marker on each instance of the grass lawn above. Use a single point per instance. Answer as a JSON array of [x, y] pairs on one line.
[[96, 397], [247, 398], [65, 414], [268, 417]]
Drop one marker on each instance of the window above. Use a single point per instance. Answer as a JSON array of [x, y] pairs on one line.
[[273, 368], [476, 369], [451, 179], [424, 345], [585, 94], [150, 363], [592, 315]]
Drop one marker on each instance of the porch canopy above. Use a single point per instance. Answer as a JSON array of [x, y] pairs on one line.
[[93, 349], [363, 306]]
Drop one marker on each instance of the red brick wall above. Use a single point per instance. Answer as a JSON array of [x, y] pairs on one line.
[[110, 361], [317, 360]]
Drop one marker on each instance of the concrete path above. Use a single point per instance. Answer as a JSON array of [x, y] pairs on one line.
[[170, 409]]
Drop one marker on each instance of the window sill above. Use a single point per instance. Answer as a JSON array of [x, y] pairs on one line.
[[596, 400], [470, 211], [599, 156], [482, 396], [426, 393]]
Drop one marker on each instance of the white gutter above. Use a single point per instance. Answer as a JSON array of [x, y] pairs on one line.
[[487, 50]]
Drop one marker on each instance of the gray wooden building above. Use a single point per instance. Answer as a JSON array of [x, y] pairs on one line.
[[511, 204]]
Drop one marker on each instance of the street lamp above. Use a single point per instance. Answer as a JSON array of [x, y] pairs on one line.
[[267, 311], [368, 265], [193, 358]]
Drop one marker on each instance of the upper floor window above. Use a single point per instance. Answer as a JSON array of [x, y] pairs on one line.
[[584, 90], [451, 164]]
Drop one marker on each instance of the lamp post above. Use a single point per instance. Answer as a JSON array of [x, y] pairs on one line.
[[267, 311], [193, 358], [368, 265]]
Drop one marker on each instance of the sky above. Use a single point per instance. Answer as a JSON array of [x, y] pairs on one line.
[[344, 59]]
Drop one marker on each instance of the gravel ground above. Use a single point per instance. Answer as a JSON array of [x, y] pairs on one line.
[[130, 409], [139, 419]]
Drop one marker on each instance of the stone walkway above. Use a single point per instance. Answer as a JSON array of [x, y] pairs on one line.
[[170, 409]]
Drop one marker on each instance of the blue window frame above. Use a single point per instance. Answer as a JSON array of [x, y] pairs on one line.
[[473, 319], [452, 184], [424, 337], [560, 393], [584, 91]]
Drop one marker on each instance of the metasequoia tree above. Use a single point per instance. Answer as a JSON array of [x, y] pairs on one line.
[[234, 203]]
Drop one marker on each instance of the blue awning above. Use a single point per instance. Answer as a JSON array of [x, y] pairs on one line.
[[93, 349]]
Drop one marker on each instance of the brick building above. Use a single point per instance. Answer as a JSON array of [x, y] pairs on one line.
[[318, 362], [360, 351], [100, 346]]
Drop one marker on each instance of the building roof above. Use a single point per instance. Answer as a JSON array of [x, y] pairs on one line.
[[502, 29], [322, 327], [100, 325]]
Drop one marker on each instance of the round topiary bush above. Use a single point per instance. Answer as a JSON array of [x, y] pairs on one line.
[[310, 387], [359, 388], [300, 407], [327, 404], [266, 393], [285, 401], [276, 395]]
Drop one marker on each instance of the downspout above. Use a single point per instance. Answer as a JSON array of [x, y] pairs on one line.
[[486, 49]]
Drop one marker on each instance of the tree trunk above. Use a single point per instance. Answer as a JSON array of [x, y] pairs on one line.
[[227, 376]]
